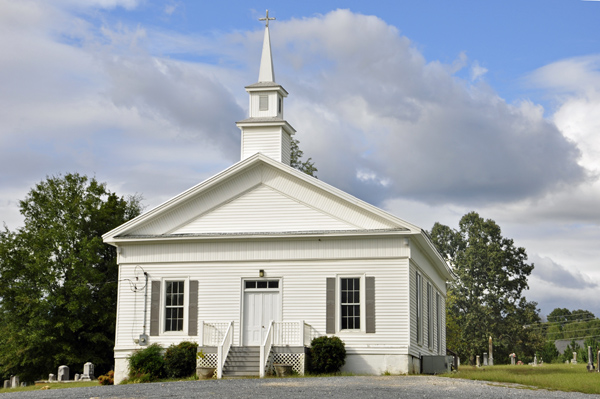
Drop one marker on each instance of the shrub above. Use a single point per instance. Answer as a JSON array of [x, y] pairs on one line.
[[328, 355], [107, 379], [148, 361], [180, 359]]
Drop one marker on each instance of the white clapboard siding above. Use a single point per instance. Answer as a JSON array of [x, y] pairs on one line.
[[199, 204], [263, 250], [238, 184], [303, 288], [266, 140], [416, 348], [263, 210], [271, 111], [429, 272], [319, 199], [286, 148]]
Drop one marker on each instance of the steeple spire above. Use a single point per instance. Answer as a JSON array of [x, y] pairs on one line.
[[266, 73], [265, 130]]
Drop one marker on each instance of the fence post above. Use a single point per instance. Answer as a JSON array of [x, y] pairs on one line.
[[301, 335], [201, 332]]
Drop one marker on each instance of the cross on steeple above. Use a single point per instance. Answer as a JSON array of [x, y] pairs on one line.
[[267, 19]]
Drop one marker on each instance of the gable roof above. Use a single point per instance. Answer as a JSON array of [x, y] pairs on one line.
[[259, 196]]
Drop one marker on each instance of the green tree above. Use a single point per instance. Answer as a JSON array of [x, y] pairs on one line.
[[307, 166], [487, 298], [559, 315], [59, 280]]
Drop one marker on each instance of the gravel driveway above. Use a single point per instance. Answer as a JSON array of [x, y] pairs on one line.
[[330, 387]]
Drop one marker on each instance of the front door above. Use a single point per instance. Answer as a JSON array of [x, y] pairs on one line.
[[262, 303]]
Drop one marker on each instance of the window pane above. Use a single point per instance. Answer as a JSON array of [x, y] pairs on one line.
[[273, 284], [250, 284], [261, 284], [174, 305], [350, 303]]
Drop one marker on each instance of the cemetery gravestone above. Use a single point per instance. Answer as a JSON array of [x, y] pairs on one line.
[[574, 361], [76, 378], [14, 381], [590, 365], [485, 358], [477, 363], [63, 373], [51, 378], [6, 384], [88, 372]]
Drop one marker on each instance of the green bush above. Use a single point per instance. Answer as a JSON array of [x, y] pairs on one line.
[[148, 361], [180, 359], [107, 379], [327, 355]]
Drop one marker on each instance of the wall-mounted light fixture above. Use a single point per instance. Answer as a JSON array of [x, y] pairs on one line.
[[261, 273]]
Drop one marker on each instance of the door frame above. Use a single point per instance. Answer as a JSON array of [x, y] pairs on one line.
[[242, 300]]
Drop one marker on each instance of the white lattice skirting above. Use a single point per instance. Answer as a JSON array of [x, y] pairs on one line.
[[296, 360], [210, 360]]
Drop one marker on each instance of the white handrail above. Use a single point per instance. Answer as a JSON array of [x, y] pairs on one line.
[[265, 350], [223, 349]]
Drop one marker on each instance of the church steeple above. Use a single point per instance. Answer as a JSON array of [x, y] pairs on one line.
[[265, 130], [266, 73]]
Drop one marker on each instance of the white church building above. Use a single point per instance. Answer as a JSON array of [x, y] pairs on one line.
[[259, 259]]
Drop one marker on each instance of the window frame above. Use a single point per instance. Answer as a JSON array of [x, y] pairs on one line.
[[338, 303], [438, 313], [163, 305], [419, 306], [430, 325]]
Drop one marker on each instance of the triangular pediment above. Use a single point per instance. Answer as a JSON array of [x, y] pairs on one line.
[[263, 209], [259, 195]]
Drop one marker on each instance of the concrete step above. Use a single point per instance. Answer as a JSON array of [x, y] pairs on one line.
[[242, 361]]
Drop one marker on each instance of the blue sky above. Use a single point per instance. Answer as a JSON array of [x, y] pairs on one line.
[[428, 109]]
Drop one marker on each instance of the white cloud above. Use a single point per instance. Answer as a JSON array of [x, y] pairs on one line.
[[477, 71]]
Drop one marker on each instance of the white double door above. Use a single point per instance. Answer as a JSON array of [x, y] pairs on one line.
[[260, 307]]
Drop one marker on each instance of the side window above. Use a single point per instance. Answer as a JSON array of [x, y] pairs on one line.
[[438, 313], [418, 302], [350, 303], [174, 305], [430, 316]]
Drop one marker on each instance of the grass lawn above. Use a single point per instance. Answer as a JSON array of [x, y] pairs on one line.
[[52, 385], [561, 377]]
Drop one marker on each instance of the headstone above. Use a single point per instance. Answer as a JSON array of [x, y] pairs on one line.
[[477, 361], [574, 361], [23, 384], [76, 378], [491, 350], [535, 363], [51, 378], [598, 361], [485, 358], [88, 372], [14, 381], [6, 384], [63, 373], [590, 365], [513, 358]]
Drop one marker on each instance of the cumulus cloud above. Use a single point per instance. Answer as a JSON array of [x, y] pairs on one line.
[[435, 137], [551, 272]]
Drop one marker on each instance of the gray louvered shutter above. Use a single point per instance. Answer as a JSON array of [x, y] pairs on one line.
[[155, 309], [370, 304], [330, 306], [193, 308]]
